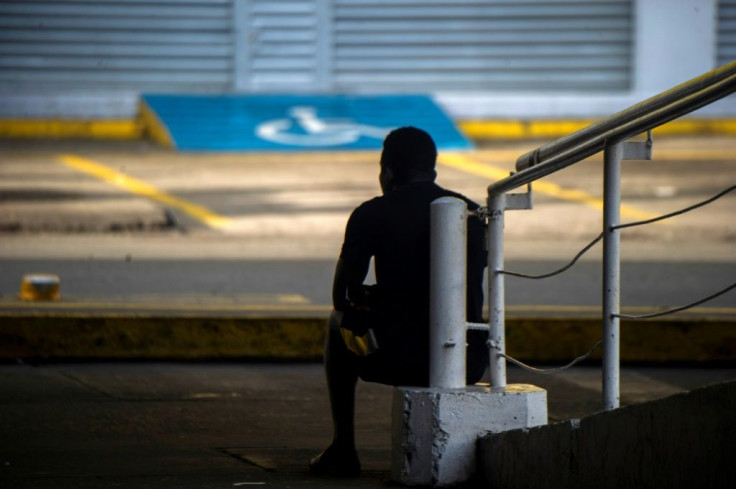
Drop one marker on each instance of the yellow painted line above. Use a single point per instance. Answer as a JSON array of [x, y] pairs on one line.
[[197, 298], [148, 125], [59, 128], [470, 165], [520, 129], [165, 307], [530, 129], [144, 189]]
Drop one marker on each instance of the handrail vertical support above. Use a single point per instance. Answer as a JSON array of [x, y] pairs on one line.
[[496, 336], [447, 310], [612, 156]]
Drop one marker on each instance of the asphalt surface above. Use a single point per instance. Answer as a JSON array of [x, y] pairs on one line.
[[237, 286], [169, 425], [116, 242]]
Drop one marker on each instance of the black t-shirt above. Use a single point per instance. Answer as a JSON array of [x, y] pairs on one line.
[[395, 229]]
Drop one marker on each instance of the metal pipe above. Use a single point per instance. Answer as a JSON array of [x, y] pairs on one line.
[[567, 155], [447, 310], [612, 157], [651, 104], [496, 334]]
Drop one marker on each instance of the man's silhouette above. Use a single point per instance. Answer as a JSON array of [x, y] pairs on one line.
[[381, 333]]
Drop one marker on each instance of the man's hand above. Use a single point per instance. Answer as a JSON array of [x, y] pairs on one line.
[[360, 345]]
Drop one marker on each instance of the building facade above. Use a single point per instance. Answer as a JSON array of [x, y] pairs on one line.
[[479, 59]]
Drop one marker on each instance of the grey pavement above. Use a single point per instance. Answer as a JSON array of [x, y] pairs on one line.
[[227, 425], [212, 286]]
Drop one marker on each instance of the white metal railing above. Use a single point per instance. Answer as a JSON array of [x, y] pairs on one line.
[[447, 316]]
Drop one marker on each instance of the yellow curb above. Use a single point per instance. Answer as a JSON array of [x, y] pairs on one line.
[[504, 129], [542, 340], [147, 125], [68, 129], [152, 127]]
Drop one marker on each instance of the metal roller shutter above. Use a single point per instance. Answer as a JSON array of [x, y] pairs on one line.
[[482, 44], [164, 45], [288, 48], [726, 48]]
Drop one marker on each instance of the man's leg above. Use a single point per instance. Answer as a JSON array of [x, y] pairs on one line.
[[342, 376], [341, 369]]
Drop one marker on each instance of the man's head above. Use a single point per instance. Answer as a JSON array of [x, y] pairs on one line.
[[409, 155]]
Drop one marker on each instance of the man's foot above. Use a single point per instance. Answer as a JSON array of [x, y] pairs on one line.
[[336, 462]]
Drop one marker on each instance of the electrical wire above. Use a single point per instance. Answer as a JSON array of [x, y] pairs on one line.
[[676, 309], [556, 272], [548, 371], [676, 213]]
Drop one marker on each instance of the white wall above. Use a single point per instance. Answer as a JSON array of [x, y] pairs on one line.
[[675, 40]]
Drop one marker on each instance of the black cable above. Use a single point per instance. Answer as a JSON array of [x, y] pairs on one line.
[[676, 309], [676, 213], [556, 272], [547, 371]]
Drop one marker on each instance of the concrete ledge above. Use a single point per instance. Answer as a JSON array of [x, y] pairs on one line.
[[152, 337], [683, 441], [168, 335]]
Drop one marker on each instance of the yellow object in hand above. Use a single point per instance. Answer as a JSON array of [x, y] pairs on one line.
[[360, 345]]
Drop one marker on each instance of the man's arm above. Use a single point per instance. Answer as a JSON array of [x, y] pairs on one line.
[[349, 277]]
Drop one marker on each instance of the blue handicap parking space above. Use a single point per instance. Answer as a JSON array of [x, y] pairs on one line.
[[296, 122]]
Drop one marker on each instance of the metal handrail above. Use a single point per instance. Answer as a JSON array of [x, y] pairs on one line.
[[609, 136], [644, 116]]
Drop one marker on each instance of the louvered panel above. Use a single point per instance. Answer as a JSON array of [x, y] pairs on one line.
[[483, 44], [726, 49], [162, 45], [284, 36], [138, 51]]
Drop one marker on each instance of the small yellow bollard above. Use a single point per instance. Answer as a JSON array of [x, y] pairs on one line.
[[40, 287]]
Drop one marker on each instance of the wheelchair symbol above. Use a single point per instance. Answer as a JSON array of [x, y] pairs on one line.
[[315, 131]]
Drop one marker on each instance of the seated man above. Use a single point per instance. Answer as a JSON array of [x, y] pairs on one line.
[[381, 333]]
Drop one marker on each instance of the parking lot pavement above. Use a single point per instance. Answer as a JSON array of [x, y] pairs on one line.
[[224, 425], [296, 204], [129, 224]]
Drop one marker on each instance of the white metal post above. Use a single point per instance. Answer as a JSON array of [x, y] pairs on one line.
[[612, 156], [447, 314], [496, 336]]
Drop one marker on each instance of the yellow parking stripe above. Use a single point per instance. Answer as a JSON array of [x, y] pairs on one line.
[[144, 189], [470, 165]]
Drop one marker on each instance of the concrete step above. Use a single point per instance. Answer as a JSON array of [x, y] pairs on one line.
[[172, 335]]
